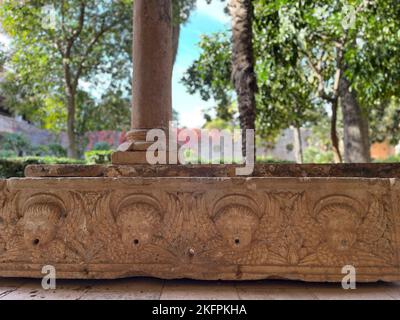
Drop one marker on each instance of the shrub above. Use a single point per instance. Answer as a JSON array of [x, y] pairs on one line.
[[98, 156], [391, 159], [51, 150], [11, 168], [40, 151], [314, 155], [101, 146], [15, 167], [15, 142], [7, 154], [57, 150], [271, 160]]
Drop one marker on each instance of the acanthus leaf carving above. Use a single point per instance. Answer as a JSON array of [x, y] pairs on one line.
[[188, 229], [89, 230], [287, 228]]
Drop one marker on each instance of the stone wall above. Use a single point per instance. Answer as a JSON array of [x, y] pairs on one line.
[[35, 135], [285, 146]]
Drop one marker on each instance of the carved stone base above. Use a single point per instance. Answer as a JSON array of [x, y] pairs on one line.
[[201, 227]]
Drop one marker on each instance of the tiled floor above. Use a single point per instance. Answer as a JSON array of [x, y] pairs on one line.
[[145, 288]]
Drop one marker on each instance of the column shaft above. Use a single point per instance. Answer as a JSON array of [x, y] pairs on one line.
[[152, 64]]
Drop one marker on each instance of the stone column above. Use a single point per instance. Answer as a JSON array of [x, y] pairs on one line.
[[152, 74]]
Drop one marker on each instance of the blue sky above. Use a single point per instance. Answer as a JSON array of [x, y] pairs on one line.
[[205, 20]]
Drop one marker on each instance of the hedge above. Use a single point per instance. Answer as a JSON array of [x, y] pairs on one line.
[[98, 156], [15, 167]]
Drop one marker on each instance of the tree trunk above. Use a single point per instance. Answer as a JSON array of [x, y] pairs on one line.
[[71, 108], [176, 31], [243, 74], [356, 135], [334, 135], [70, 88], [298, 145]]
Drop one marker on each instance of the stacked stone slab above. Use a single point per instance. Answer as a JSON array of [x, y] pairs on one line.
[[112, 223]]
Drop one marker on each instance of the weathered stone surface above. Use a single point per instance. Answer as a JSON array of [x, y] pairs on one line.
[[152, 65], [371, 170], [201, 228], [121, 157]]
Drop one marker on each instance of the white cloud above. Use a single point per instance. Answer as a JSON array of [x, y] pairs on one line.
[[215, 10]]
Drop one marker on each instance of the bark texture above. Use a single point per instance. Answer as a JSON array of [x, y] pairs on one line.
[[176, 32], [356, 135], [70, 93], [243, 74], [298, 143]]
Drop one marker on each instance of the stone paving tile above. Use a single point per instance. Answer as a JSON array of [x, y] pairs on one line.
[[124, 289], [275, 294], [9, 285], [274, 290], [363, 291], [32, 290], [154, 289], [199, 290]]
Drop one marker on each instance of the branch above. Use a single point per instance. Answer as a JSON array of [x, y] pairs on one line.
[[71, 40], [363, 6], [339, 72], [89, 48], [317, 69], [81, 21], [63, 17]]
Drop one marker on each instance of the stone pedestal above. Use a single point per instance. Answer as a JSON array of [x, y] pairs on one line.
[[202, 223]]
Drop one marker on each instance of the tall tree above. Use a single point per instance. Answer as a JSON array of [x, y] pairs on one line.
[[243, 72], [65, 50], [308, 57], [69, 40], [325, 39]]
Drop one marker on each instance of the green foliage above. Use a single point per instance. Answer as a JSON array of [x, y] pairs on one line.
[[271, 160], [315, 155], [210, 74], [101, 146], [391, 159], [7, 154], [50, 150], [385, 121], [89, 42], [15, 167], [98, 156], [220, 124], [11, 168], [182, 10], [296, 45], [284, 97], [57, 150], [56, 68], [16, 143], [40, 151]]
